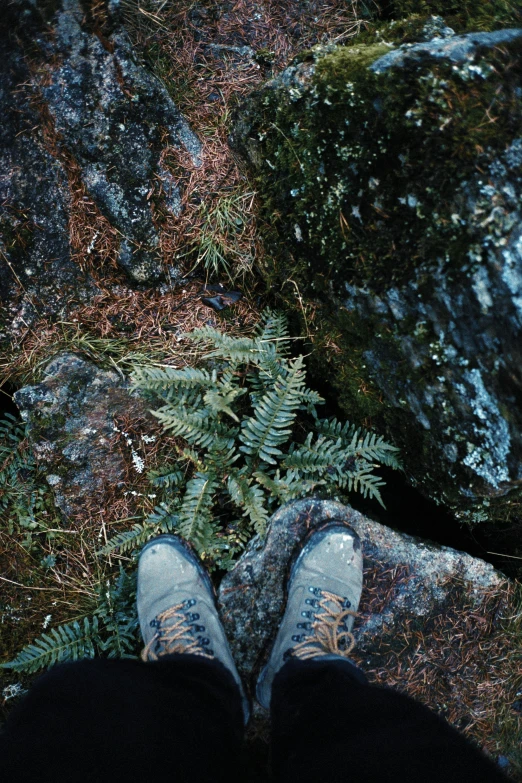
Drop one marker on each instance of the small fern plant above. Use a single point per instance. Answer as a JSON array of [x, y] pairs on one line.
[[109, 631], [250, 440], [22, 499]]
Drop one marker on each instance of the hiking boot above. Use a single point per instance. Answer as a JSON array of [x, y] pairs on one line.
[[177, 607], [324, 589]]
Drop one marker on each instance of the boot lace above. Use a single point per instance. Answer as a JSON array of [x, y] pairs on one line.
[[327, 631], [177, 631]]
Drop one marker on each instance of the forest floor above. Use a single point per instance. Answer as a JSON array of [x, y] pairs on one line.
[[210, 55]]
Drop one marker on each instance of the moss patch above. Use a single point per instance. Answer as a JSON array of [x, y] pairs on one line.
[[364, 173], [462, 16]]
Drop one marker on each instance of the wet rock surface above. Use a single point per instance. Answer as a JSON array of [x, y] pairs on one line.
[[112, 115], [252, 595], [72, 416], [429, 621], [37, 275], [401, 209], [111, 112]]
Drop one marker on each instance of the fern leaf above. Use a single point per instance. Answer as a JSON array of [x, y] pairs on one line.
[[251, 498], [118, 616], [167, 476], [373, 448], [270, 427], [159, 378], [195, 517], [362, 480], [333, 428], [219, 401], [197, 428], [317, 457], [68, 642], [162, 520], [290, 487], [273, 327]]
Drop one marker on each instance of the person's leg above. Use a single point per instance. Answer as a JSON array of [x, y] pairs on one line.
[[329, 725], [179, 715], [178, 719]]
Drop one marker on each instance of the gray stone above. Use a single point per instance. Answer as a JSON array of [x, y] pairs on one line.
[[406, 212], [252, 595], [37, 275], [456, 49], [110, 112], [71, 417]]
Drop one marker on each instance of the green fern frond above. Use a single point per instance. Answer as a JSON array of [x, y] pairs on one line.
[[232, 349], [160, 378], [311, 399], [315, 457], [374, 448], [361, 480], [118, 616], [251, 498], [195, 515], [270, 427], [333, 428], [68, 642], [168, 476], [127, 540], [199, 428], [273, 327], [163, 519], [220, 400], [164, 516], [286, 488]]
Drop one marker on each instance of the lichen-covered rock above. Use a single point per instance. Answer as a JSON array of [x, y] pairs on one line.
[[37, 275], [111, 113], [252, 595], [392, 177], [429, 620], [72, 416]]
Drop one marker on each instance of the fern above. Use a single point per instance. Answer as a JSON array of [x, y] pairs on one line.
[[250, 439], [251, 497], [196, 510], [239, 453], [117, 612], [65, 643], [110, 631], [197, 428], [271, 425], [24, 501], [161, 378]]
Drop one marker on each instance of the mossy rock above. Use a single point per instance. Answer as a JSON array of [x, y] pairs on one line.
[[391, 187]]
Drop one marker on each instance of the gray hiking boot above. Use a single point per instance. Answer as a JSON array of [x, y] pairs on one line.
[[177, 608], [324, 589]]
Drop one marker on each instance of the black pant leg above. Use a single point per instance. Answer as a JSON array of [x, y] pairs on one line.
[[328, 725], [178, 719]]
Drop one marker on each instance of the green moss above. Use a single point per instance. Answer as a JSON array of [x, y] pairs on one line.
[[362, 173], [462, 15]]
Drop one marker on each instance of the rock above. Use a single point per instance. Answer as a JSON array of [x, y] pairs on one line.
[[113, 116], [111, 112], [252, 595], [37, 275], [391, 178], [72, 417], [429, 622]]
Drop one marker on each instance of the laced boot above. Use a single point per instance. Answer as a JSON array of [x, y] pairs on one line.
[[324, 589], [177, 608]]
